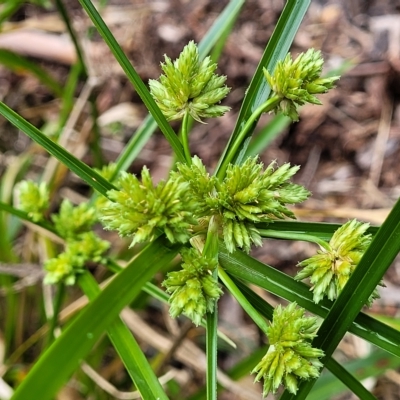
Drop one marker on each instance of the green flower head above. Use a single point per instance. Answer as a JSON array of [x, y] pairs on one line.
[[33, 199], [88, 247], [248, 194], [193, 289], [330, 269], [296, 82], [71, 221], [140, 209], [189, 85], [62, 268], [290, 357]]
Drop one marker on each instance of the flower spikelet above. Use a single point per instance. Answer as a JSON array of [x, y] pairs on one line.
[[33, 199], [88, 247], [193, 289], [249, 194], [296, 82], [290, 356], [139, 208], [330, 269], [189, 85], [71, 221], [62, 268], [201, 186]]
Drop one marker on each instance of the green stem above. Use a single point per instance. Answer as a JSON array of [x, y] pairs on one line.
[[269, 233], [210, 250], [185, 138], [242, 300], [56, 309], [211, 349], [269, 105]]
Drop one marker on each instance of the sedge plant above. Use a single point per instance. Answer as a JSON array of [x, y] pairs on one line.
[[209, 220]]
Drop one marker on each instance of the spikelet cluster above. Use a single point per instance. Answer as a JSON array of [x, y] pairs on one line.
[[189, 85], [290, 357], [141, 210], [297, 82], [72, 220], [33, 199], [248, 194], [193, 289], [330, 269]]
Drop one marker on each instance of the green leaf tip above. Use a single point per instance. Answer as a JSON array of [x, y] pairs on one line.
[[297, 82], [290, 357], [193, 289], [33, 199], [189, 85], [330, 269]]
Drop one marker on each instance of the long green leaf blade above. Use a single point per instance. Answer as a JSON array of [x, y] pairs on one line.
[[91, 177], [128, 349], [58, 363]]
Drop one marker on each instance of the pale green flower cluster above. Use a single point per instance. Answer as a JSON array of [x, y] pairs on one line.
[[83, 248], [330, 269], [290, 357], [248, 194], [33, 199], [73, 224], [141, 210], [189, 85], [71, 221], [296, 82], [193, 289]]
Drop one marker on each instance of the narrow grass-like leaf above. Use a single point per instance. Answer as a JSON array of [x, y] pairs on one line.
[[24, 216], [134, 78], [374, 365], [128, 349], [57, 364], [18, 63], [277, 48], [250, 270], [219, 26], [322, 230], [91, 177], [376, 260]]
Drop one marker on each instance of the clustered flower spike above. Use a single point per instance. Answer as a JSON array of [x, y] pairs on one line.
[[140, 209], [193, 289], [189, 85], [71, 221], [296, 82], [67, 265], [290, 356], [330, 269], [248, 194], [33, 199]]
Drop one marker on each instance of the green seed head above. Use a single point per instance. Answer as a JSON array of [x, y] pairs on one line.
[[330, 269], [290, 357], [189, 85], [296, 82]]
